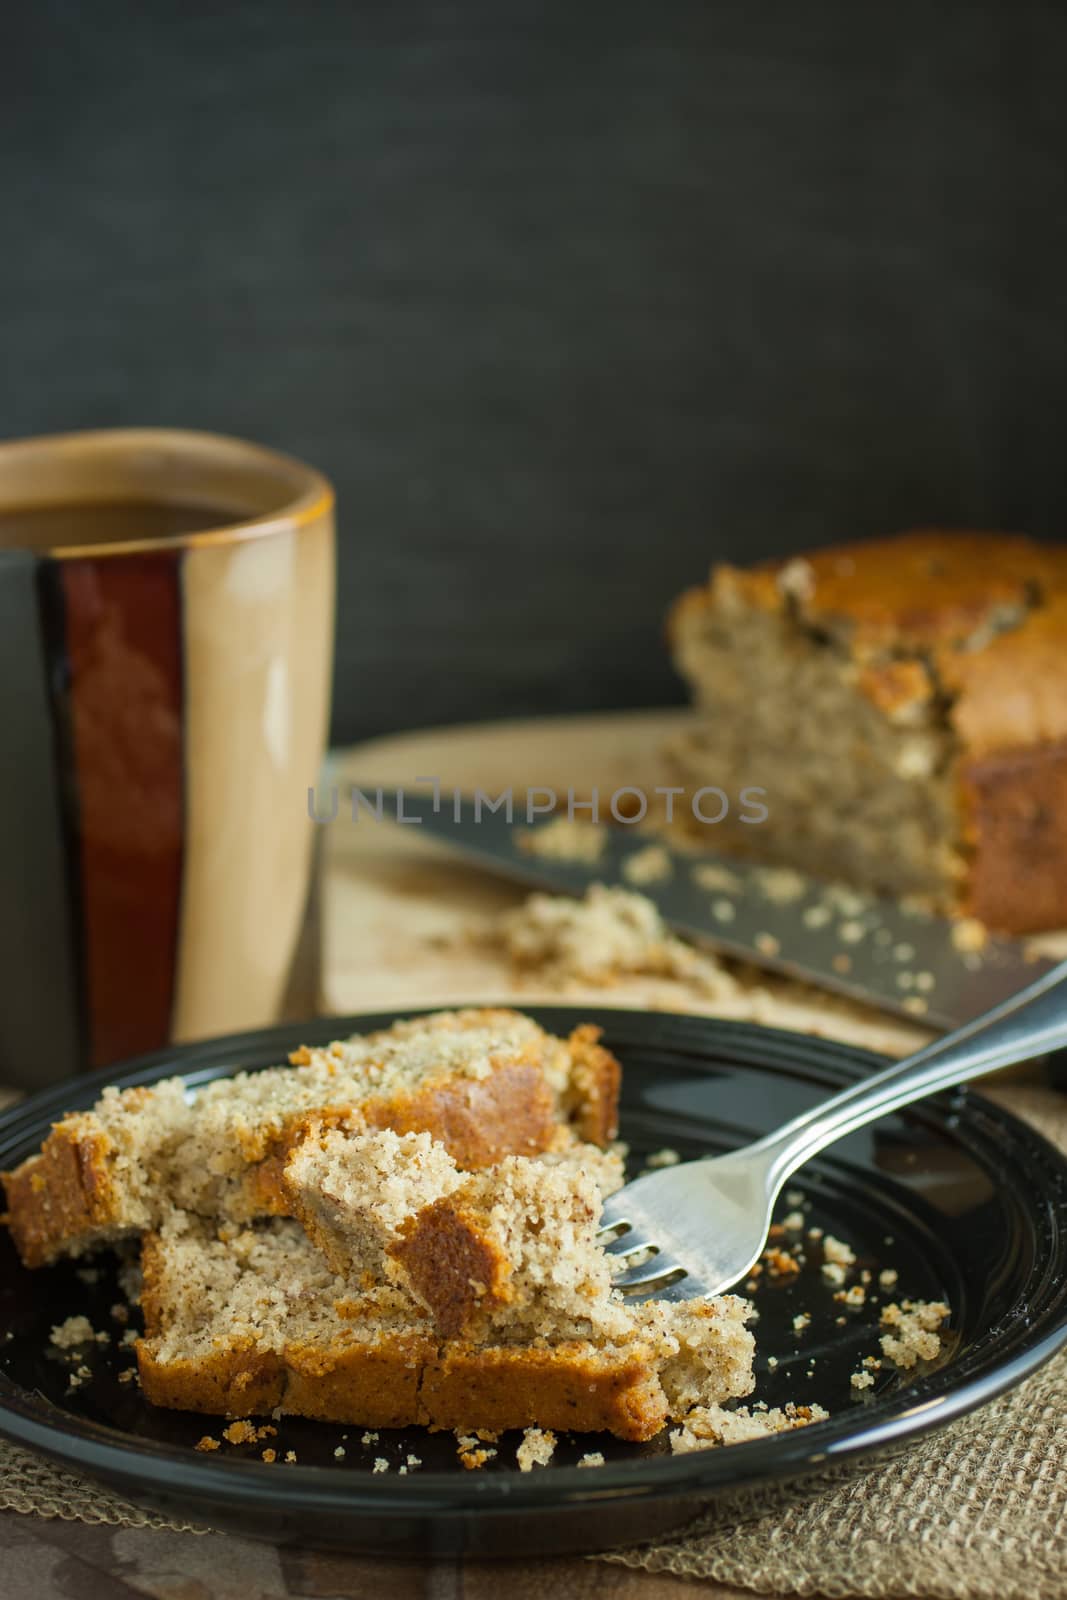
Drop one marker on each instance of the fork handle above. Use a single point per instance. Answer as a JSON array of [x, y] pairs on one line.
[[1028, 1024]]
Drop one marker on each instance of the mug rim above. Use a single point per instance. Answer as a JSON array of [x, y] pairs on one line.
[[313, 493]]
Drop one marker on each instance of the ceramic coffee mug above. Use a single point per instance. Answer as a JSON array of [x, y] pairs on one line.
[[166, 631]]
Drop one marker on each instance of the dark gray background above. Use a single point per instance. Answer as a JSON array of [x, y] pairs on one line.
[[568, 299]]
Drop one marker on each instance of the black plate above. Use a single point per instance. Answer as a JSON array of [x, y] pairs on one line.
[[962, 1200]]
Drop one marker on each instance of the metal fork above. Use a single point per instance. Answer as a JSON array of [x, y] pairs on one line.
[[699, 1227]]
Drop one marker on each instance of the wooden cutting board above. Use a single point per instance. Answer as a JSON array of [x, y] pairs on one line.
[[404, 924]]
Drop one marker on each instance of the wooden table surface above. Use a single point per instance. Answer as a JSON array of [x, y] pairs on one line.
[[55, 1560]]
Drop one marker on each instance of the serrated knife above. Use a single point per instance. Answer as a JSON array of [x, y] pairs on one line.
[[872, 949]]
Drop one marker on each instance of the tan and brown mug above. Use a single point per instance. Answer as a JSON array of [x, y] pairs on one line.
[[166, 636]]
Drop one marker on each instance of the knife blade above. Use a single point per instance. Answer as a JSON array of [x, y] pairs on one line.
[[873, 949]]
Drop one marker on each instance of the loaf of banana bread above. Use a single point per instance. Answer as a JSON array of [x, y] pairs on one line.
[[903, 703]]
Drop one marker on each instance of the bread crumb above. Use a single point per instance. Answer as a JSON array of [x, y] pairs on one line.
[[836, 1250], [794, 1222], [339, 1453], [794, 1198], [796, 578], [861, 1380], [536, 1450], [595, 1458], [120, 1312], [915, 1336], [564, 839], [887, 1277], [781, 885], [650, 865], [369, 1438], [380, 1464], [207, 1443], [801, 1321], [240, 1433], [708, 1426], [856, 1296], [716, 879], [74, 1331], [833, 1273], [270, 1455], [608, 935], [969, 935], [662, 1158], [128, 1375], [290, 1455]]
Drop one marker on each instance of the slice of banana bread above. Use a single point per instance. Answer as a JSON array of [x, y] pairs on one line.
[[509, 1252], [486, 1083], [903, 704], [241, 1321], [238, 1317]]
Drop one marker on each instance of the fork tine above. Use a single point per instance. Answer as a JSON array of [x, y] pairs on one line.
[[650, 1273], [629, 1244], [661, 1288], [628, 1248]]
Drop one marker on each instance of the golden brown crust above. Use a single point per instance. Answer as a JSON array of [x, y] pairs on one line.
[[455, 1267], [1012, 695], [896, 688], [1015, 814], [478, 1120], [407, 1380], [375, 1385], [567, 1386], [927, 588], [592, 1104], [235, 1380], [63, 1200]]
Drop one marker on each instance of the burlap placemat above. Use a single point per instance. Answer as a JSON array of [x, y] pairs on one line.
[[976, 1512]]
